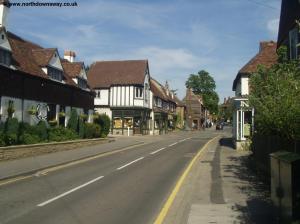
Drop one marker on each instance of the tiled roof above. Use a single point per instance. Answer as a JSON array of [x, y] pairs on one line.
[[266, 56], [29, 57], [157, 89], [103, 74], [290, 12], [72, 69], [178, 102], [43, 56]]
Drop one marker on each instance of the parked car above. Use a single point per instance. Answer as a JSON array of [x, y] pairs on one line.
[[219, 126]]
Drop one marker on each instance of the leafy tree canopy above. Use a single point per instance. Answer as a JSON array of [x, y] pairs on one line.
[[275, 96], [203, 84]]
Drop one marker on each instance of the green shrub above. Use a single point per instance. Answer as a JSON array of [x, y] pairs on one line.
[[92, 130], [11, 131], [81, 128], [73, 121], [1, 127], [104, 122], [42, 130], [2, 139], [28, 134], [59, 134], [27, 138]]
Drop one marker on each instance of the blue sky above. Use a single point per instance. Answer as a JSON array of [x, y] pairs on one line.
[[178, 37]]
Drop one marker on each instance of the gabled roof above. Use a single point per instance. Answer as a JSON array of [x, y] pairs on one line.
[[290, 12], [103, 74], [178, 102], [158, 89], [29, 57], [72, 69], [266, 56], [43, 56]]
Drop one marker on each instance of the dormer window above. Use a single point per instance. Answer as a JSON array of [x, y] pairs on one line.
[[55, 74], [5, 57], [82, 83]]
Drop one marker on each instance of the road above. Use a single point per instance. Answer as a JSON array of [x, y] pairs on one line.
[[126, 187]]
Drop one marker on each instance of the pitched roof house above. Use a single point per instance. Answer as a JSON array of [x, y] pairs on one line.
[[123, 93], [164, 108], [195, 111], [243, 114], [266, 56], [33, 77]]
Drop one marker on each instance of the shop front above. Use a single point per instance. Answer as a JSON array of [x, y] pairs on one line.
[[130, 122]]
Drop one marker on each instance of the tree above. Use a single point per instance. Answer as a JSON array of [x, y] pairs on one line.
[[275, 94], [203, 84]]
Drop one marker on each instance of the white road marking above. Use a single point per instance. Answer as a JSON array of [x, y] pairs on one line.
[[173, 144], [152, 153], [134, 161], [69, 192]]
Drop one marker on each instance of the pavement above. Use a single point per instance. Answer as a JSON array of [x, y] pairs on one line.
[[222, 188]]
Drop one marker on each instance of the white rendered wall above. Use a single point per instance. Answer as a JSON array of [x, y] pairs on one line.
[[106, 111], [245, 85], [55, 62], [17, 106], [4, 43], [104, 97]]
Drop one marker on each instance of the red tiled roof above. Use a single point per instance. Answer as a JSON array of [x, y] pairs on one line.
[[157, 89], [72, 69], [29, 57], [103, 74], [43, 56], [266, 56]]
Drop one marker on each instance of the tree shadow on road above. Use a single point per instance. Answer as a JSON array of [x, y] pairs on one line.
[[258, 207]]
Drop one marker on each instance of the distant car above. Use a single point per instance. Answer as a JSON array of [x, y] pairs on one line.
[[219, 126]]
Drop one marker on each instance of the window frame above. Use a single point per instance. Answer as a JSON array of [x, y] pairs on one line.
[[6, 56], [294, 43], [59, 74], [138, 92]]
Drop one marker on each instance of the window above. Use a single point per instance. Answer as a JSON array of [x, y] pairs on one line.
[[138, 92], [82, 83], [294, 41], [54, 73], [5, 57], [51, 114], [98, 94]]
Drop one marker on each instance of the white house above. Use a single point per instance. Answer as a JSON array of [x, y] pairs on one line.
[[243, 115], [123, 93]]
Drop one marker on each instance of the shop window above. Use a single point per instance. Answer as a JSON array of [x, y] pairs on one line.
[[117, 122], [128, 122]]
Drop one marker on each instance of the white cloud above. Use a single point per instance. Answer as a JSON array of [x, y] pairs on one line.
[[273, 26]]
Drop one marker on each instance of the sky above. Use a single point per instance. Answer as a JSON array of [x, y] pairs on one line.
[[178, 37]]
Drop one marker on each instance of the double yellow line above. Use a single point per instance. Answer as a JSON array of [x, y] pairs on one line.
[[164, 211]]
